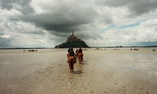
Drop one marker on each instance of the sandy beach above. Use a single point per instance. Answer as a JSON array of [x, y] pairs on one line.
[[103, 71]]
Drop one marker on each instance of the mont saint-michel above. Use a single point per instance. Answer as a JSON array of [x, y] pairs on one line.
[[72, 41]]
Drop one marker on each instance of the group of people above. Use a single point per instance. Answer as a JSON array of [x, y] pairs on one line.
[[73, 56]]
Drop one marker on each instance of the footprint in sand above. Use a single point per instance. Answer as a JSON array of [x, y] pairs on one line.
[[141, 88], [91, 91], [105, 91]]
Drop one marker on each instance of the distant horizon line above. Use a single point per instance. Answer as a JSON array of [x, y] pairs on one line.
[[73, 47]]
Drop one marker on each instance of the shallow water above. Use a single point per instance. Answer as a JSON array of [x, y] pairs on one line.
[[106, 71]]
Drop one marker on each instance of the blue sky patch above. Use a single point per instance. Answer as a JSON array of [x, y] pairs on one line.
[[129, 25], [120, 27], [14, 22]]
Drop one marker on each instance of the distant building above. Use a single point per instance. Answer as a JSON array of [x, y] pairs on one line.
[[72, 41]]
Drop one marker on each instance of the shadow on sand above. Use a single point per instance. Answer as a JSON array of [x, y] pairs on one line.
[[83, 63], [77, 72]]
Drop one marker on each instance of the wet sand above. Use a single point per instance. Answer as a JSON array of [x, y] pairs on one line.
[[101, 72]]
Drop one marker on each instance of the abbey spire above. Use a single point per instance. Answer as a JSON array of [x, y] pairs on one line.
[[72, 33], [73, 38]]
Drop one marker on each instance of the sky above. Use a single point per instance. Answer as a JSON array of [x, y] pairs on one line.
[[47, 23]]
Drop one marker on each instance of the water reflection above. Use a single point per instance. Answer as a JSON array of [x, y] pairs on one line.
[[78, 72], [78, 68], [83, 63]]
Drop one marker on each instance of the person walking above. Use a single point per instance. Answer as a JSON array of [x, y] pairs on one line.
[[71, 60], [80, 55]]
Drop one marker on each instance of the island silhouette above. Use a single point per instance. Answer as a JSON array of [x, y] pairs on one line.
[[72, 41]]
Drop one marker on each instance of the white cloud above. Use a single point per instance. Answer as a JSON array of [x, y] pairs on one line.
[[21, 34], [56, 6], [145, 32], [5, 36], [30, 40], [6, 14]]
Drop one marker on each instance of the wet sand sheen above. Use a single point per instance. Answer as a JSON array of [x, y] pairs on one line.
[[102, 72]]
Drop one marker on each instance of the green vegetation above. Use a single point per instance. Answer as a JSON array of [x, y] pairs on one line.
[[72, 44]]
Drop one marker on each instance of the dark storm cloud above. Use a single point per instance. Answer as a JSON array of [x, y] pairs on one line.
[[61, 21], [137, 7], [58, 19], [7, 3], [10, 4], [142, 7]]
